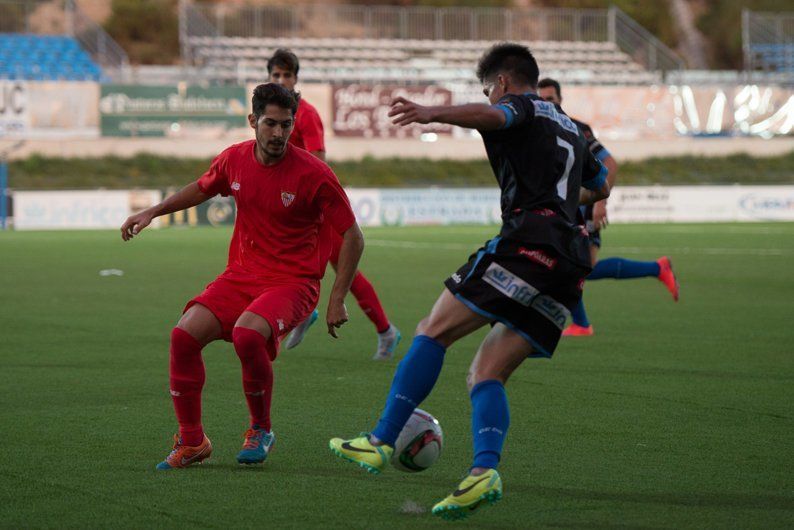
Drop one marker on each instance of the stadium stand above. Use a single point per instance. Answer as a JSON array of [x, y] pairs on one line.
[[405, 45], [45, 57], [768, 40], [350, 60]]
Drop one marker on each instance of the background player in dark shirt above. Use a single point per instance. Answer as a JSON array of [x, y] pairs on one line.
[[595, 218], [522, 282]]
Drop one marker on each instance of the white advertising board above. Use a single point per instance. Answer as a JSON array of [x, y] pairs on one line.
[[14, 108], [438, 206], [55, 210], [682, 204], [366, 205]]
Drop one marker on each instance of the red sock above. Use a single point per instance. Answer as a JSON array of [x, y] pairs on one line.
[[251, 348], [368, 301], [187, 380]]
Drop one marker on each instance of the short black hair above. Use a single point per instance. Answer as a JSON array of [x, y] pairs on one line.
[[272, 94], [284, 58], [547, 82], [511, 58]]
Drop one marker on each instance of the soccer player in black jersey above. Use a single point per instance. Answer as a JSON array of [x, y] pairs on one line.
[[594, 216], [523, 282]]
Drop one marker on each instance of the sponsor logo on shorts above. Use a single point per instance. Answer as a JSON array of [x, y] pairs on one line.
[[545, 212], [538, 256], [509, 284], [551, 309], [236, 186], [456, 278]]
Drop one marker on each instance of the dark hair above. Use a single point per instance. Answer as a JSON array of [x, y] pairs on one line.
[[510, 58], [547, 82], [272, 94], [284, 58]]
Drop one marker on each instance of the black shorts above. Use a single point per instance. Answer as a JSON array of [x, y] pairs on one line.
[[529, 289]]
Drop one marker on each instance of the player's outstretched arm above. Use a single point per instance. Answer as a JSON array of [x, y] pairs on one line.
[[346, 266], [471, 115], [185, 198], [600, 218]]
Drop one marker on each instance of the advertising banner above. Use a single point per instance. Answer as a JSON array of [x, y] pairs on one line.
[[701, 203], [56, 210], [436, 206], [362, 110], [128, 110], [14, 108]]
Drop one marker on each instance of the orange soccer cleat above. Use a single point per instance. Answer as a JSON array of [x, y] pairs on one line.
[[667, 276], [185, 455], [575, 330]]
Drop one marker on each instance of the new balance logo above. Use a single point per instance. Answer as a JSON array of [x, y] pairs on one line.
[[236, 186], [456, 278], [509, 284]]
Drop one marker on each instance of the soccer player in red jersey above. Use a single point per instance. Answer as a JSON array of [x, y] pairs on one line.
[[283, 69], [284, 197]]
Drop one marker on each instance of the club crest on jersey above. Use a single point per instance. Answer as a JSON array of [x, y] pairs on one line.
[[287, 198], [236, 186]]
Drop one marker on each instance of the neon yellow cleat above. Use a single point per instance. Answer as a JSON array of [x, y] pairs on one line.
[[470, 495], [360, 451]]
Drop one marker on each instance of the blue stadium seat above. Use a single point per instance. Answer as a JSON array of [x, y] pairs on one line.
[[45, 57]]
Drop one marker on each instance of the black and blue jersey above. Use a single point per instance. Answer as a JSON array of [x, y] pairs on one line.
[[541, 159]]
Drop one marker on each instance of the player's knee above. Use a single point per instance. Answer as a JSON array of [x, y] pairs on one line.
[[485, 373], [247, 342]]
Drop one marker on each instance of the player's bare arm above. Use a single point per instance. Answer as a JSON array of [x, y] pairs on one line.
[[600, 219], [185, 198], [471, 115], [349, 255], [590, 196]]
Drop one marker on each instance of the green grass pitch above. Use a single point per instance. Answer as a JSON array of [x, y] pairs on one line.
[[672, 416]]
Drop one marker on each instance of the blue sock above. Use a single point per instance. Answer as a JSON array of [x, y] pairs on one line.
[[490, 418], [579, 315], [622, 269], [413, 381]]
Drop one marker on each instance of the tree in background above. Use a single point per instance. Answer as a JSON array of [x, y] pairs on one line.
[[148, 30]]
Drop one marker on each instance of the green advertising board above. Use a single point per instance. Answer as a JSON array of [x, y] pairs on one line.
[[133, 110]]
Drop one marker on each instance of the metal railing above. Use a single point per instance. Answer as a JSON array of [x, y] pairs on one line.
[[22, 16], [394, 22], [640, 44], [768, 41]]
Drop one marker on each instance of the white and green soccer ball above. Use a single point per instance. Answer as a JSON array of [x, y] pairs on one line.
[[419, 444]]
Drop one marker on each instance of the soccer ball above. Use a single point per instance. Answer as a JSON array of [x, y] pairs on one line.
[[419, 444]]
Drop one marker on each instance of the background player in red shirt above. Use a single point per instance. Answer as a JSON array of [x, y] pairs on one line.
[[286, 201], [283, 69]]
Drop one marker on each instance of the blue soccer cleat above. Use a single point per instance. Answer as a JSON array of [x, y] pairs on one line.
[[297, 334], [257, 445]]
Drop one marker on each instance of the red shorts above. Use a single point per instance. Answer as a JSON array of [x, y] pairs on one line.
[[284, 304]]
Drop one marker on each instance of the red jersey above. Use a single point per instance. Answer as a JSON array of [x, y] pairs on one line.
[[280, 210], [308, 131]]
